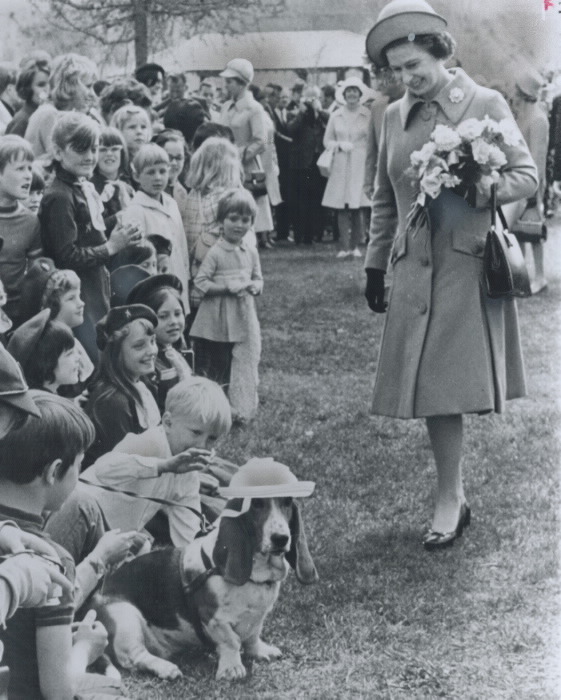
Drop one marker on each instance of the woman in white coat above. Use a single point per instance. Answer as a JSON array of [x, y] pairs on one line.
[[346, 135]]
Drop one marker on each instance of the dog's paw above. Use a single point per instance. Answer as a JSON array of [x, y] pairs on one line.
[[165, 670], [263, 651], [230, 672]]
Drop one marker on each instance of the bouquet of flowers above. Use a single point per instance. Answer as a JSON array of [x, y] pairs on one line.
[[463, 158]]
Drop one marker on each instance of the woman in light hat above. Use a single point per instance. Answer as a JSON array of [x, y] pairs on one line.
[[346, 134], [447, 348], [246, 117]]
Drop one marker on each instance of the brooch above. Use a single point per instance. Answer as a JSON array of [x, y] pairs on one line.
[[456, 95]]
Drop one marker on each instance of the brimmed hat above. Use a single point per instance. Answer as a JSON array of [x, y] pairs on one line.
[[262, 477], [530, 84], [13, 387], [239, 68], [123, 279], [25, 338], [144, 289], [366, 92], [118, 318], [399, 19]]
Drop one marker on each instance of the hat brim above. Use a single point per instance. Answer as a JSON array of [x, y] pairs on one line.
[[143, 289], [22, 401], [367, 93], [299, 489], [229, 73], [399, 26]]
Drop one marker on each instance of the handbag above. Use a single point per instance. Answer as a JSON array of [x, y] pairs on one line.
[[506, 274], [325, 162], [256, 180], [530, 227]]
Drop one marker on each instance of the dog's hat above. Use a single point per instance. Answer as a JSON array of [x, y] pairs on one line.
[[262, 477]]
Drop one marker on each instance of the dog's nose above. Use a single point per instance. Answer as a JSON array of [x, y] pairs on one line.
[[279, 541]]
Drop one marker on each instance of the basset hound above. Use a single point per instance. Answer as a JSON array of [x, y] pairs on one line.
[[217, 591]]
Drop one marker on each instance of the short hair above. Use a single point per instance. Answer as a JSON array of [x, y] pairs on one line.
[[24, 83], [208, 129], [13, 147], [215, 164], [328, 90], [256, 92], [69, 70], [206, 83], [177, 78], [59, 283], [76, 130], [37, 181], [39, 369], [148, 155], [166, 135], [201, 398], [439, 45], [63, 432], [122, 92], [8, 76], [125, 113], [237, 200], [274, 86]]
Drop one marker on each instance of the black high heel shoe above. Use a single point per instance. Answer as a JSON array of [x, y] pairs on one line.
[[440, 540]]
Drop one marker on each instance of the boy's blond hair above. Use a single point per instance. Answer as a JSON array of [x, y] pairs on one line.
[[148, 155], [13, 148], [203, 399]]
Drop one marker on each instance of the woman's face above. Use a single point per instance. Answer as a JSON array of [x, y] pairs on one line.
[[39, 88], [422, 74], [138, 350], [109, 160], [67, 368], [85, 97], [352, 95], [71, 311], [171, 321], [234, 87], [176, 154], [78, 163], [136, 132]]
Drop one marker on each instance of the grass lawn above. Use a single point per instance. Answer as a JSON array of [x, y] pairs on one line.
[[387, 619]]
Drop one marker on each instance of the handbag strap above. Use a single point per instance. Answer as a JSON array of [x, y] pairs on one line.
[[496, 209]]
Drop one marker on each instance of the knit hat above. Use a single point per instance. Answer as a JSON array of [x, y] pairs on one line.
[[399, 19], [13, 387], [123, 279], [144, 289], [26, 337], [118, 318], [239, 68]]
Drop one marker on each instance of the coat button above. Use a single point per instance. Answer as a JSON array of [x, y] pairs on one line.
[[424, 262], [423, 308], [477, 248]]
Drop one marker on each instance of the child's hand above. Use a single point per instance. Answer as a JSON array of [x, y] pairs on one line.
[[123, 236], [91, 635], [253, 288], [115, 546], [237, 288], [13, 540], [35, 579], [192, 460]]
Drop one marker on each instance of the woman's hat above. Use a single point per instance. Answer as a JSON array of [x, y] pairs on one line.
[[262, 477], [144, 289], [26, 337], [118, 318], [399, 19], [239, 68], [530, 84], [13, 387], [366, 92], [123, 279]]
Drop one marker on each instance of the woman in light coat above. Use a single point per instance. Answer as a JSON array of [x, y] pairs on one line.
[[447, 348], [346, 135]]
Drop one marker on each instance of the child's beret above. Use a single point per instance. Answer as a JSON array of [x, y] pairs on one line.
[[144, 289], [118, 317]]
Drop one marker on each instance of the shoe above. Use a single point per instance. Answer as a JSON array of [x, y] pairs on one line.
[[538, 286], [356, 253], [440, 540], [343, 254]]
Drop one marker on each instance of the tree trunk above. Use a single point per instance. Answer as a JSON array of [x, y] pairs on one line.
[[141, 10]]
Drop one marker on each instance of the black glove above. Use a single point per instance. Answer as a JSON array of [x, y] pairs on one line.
[[374, 291]]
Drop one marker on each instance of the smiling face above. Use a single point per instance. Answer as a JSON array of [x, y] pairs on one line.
[[139, 350], [153, 179], [15, 180], [422, 74], [71, 311], [136, 132], [68, 368], [109, 160], [235, 226], [171, 321], [78, 163], [352, 95]]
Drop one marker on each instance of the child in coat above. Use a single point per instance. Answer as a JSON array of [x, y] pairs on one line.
[[226, 329]]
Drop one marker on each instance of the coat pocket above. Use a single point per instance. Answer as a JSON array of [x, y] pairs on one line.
[[469, 235]]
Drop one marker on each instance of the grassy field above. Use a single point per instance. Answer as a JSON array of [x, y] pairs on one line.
[[387, 619]]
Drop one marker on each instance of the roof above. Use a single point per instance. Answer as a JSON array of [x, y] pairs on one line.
[[267, 51]]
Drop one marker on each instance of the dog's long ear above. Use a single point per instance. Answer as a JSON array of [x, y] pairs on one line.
[[235, 545], [299, 556]]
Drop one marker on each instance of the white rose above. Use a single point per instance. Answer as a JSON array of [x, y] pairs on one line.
[[423, 156], [431, 183], [445, 137], [450, 181], [481, 151], [470, 129], [496, 157]]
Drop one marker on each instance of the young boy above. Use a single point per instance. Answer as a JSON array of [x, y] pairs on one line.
[[163, 462], [19, 227], [44, 663]]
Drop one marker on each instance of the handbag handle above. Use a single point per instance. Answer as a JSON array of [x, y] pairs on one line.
[[496, 210]]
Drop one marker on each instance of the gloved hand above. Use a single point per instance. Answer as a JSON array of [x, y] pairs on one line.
[[374, 291]]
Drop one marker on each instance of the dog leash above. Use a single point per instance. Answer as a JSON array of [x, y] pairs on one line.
[[205, 525]]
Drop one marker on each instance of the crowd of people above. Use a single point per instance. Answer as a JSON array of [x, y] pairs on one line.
[[131, 218]]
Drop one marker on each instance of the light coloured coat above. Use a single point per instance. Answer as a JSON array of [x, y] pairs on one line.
[[346, 179], [447, 348]]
